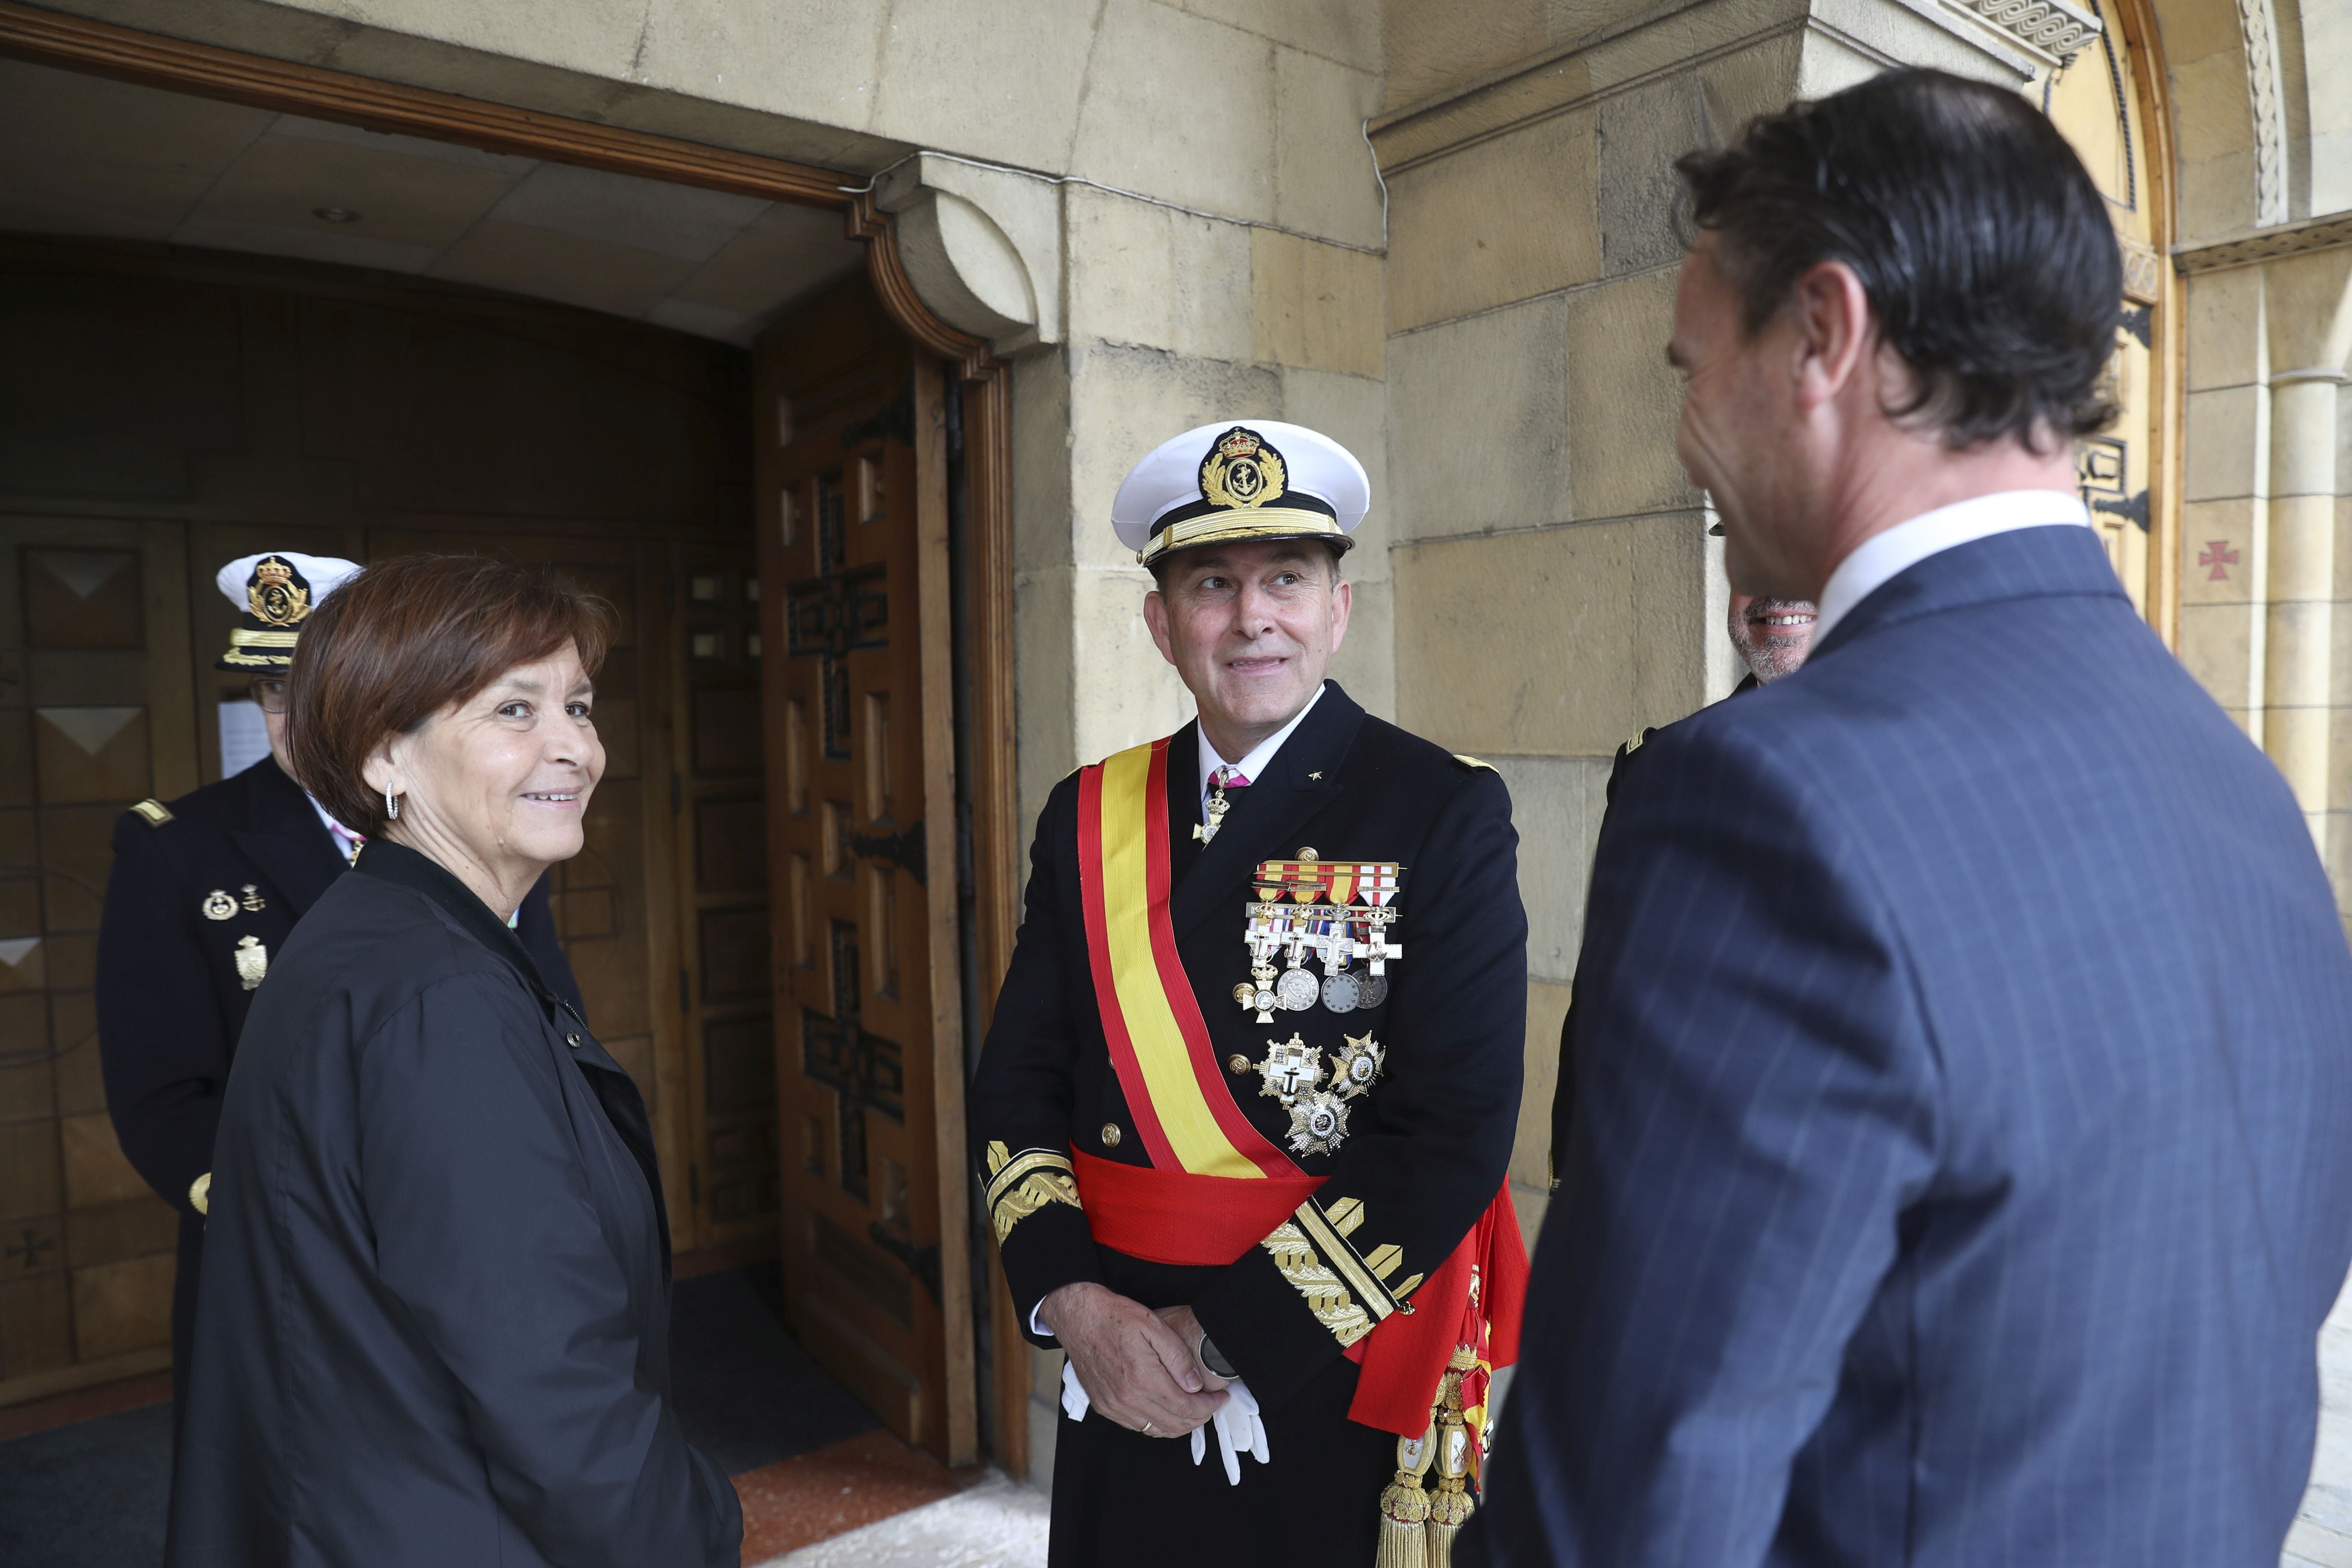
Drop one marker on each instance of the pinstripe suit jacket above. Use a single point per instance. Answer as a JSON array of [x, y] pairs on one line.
[[1962, 1162]]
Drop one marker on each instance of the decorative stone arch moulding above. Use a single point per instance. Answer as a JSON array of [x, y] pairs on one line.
[[146, 59]]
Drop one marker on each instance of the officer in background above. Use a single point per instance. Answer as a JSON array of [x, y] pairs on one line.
[[1246, 1106], [1772, 638], [203, 891]]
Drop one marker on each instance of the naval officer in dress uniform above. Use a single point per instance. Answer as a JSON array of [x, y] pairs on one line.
[[1246, 1106], [205, 888]]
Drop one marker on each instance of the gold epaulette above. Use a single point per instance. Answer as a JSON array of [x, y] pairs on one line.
[[1475, 763], [1634, 745], [155, 812]]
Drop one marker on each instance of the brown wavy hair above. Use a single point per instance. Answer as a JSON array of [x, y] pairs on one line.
[[402, 641]]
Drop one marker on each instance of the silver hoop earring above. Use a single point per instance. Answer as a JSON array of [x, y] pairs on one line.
[[390, 805]]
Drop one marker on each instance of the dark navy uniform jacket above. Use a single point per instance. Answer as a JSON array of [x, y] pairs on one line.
[[435, 1325], [1959, 1175], [1426, 1148], [170, 998]]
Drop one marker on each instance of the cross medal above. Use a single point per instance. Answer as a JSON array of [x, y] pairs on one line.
[[1218, 806], [1339, 913]]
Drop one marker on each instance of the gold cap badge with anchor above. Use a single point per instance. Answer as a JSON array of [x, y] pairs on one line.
[[1230, 483], [275, 592]]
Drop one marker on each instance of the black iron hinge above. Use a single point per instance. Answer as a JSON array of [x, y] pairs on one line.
[[922, 1262], [907, 847]]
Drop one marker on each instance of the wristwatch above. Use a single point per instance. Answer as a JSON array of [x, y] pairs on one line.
[[1214, 1359]]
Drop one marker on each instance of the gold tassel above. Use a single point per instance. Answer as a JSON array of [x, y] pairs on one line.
[[1451, 1508], [1404, 1507]]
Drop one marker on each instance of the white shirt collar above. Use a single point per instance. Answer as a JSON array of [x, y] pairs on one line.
[[1881, 558], [345, 839], [1253, 767]]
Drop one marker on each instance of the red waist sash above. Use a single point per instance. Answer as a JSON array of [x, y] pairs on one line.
[[1208, 1222], [1172, 1216]]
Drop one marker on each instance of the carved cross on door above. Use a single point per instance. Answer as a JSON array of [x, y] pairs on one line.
[[863, 1069], [836, 613], [34, 1244]]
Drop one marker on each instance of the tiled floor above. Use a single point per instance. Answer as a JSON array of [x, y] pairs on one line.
[[842, 1487], [993, 1524]]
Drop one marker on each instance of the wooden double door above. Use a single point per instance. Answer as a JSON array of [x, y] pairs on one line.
[[863, 843]]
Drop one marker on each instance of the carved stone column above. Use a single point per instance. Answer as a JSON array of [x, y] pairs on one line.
[[2298, 682]]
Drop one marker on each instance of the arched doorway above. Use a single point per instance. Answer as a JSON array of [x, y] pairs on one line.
[[2107, 100]]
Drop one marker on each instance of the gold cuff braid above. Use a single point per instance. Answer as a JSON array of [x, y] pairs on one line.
[[1327, 1296], [1020, 1185]]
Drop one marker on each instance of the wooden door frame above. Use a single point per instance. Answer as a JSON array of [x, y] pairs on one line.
[[146, 59]]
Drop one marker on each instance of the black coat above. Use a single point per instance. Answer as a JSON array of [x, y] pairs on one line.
[[434, 1322], [1564, 1094], [171, 999], [1426, 1151]]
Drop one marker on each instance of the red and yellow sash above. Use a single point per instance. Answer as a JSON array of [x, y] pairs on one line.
[[1160, 1043]]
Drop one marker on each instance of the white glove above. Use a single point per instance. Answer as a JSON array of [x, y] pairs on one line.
[[1239, 1431]]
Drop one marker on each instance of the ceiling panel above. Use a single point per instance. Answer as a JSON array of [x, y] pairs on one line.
[[83, 155]]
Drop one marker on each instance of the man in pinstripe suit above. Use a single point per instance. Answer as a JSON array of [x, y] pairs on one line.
[[1959, 1172]]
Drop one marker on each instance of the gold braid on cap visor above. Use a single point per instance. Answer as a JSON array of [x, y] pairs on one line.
[[1255, 522], [242, 639]]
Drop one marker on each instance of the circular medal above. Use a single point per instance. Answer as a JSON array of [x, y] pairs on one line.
[[1372, 991], [219, 905], [1322, 1121], [1296, 990], [1342, 991]]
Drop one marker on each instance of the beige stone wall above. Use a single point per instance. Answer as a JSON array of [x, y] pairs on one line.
[[1555, 588]]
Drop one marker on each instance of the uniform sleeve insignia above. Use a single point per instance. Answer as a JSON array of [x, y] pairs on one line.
[[1327, 1296], [153, 812], [1020, 1185]]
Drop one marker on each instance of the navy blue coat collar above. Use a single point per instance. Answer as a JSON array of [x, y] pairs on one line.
[[404, 867], [283, 834], [2056, 561]]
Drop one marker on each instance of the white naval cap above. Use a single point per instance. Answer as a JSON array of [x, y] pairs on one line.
[[1259, 480], [275, 591]]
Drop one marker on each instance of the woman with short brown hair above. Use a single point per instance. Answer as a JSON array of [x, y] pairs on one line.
[[434, 1320]]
